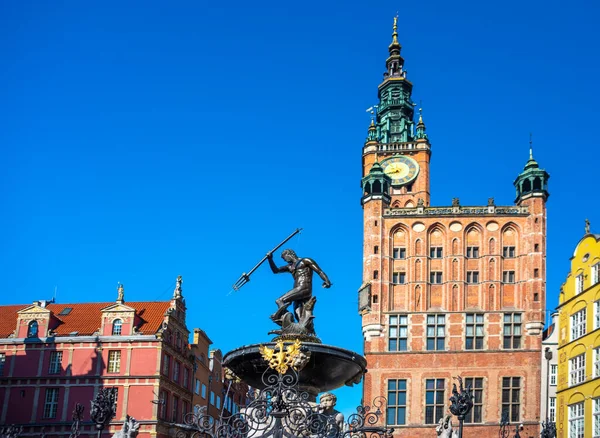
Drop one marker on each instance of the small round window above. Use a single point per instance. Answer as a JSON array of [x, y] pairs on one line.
[[586, 257]]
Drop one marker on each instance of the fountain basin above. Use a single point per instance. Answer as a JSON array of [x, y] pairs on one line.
[[329, 367]]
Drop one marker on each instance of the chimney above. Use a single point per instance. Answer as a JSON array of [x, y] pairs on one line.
[[196, 336]]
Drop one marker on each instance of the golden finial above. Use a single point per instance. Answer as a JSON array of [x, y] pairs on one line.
[[395, 43], [420, 115]]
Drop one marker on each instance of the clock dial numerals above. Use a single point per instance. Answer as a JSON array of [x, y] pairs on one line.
[[401, 169]]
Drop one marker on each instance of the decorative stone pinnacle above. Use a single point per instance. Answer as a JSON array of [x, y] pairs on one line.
[[120, 294], [587, 226], [177, 293]]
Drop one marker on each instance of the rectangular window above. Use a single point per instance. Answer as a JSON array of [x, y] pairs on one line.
[[508, 276], [2, 362], [512, 330], [511, 398], [164, 400], [579, 284], [218, 405], [203, 390], [396, 402], [51, 403], [578, 324], [596, 426], [166, 364], [435, 400], [472, 277], [577, 370], [212, 398], [176, 366], [184, 410], [197, 387], [55, 362], [114, 361], [508, 252], [476, 384], [553, 373], [186, 377], [596, 314], [399, 253], [472, 252], [436, 332], [552, 411], [399, 277], [375, 249], [474, 331], [174, 409], [596, 273], [435, 277], [596, 362], [398, 333], [375, 275], [435, 252], [576, 421]]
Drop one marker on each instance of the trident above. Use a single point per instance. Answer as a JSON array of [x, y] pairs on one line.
[[245, 278]]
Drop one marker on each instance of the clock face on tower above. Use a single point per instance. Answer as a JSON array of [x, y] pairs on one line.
[[400, 169]]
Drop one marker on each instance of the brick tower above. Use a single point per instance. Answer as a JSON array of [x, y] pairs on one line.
[[450, 290]]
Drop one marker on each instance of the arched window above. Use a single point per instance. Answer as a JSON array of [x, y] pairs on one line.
[[32, 331], [116, 329]]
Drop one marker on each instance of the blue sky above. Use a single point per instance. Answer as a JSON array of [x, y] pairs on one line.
[[143, 140]]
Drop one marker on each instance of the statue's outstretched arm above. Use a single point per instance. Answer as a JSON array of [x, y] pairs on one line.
[[315, 267], [274, 268]]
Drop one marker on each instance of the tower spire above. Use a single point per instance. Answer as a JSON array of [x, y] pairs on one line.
[[530, 146], [395, 46], [421, 134]]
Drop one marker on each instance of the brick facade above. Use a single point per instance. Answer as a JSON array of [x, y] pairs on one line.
[[433, 274]]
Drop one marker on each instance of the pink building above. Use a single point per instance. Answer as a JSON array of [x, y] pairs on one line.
[[53, 356]]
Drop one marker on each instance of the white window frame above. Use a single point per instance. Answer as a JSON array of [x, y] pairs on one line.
[[596, 362], [553, 373], [579, 284], [55, 362], [117, 327], [552, 409], [577, 370], [51, 403], [596, 314], [578, 326], [596, 418], [596, 273], [576, 420], [114, 361]]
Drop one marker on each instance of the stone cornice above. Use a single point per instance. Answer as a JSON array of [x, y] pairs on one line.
[[490, 210], [78, 339]]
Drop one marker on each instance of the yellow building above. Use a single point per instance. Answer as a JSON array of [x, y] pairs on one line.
[[578, 391]]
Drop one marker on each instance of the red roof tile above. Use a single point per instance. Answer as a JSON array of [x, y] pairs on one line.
[[85, 318]]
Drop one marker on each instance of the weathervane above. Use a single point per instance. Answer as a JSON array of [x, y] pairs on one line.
[[373, 111]]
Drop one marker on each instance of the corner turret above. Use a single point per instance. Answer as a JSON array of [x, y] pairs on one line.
[[532, 182]]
